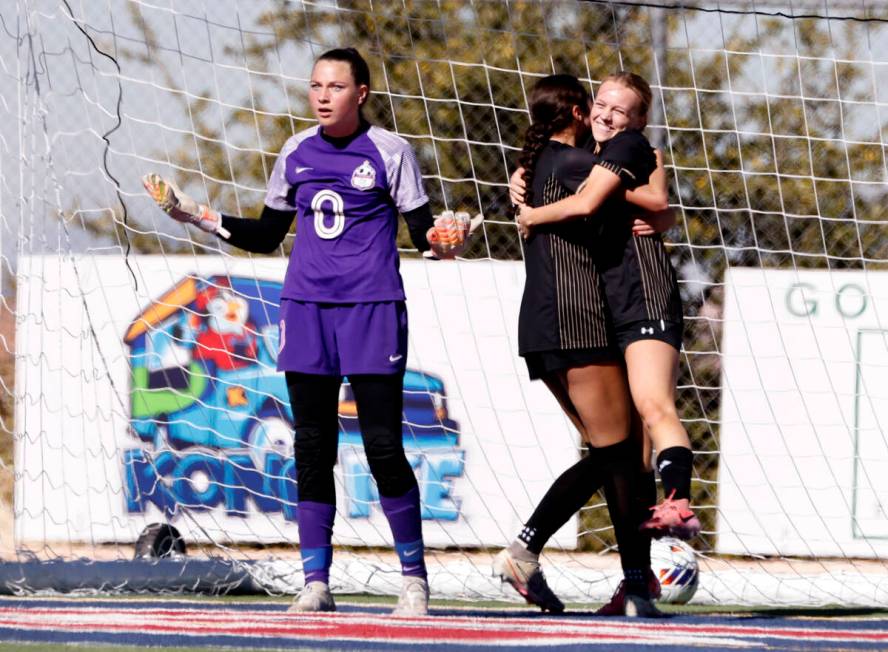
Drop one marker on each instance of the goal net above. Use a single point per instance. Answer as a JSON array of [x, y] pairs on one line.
[[118, 419]]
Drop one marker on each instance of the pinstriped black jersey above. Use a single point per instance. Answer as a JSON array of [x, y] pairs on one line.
[[563, 304], [639, 280]]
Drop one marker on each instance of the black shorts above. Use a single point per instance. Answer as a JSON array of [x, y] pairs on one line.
[[544, 363], [650, 329]]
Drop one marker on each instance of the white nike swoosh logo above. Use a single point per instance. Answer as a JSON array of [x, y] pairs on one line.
[[301, 170], [395, 358], [410, 553], [664, 464]]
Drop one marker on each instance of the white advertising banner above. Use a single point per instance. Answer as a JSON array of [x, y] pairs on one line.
[[162, 403], [804, 429]]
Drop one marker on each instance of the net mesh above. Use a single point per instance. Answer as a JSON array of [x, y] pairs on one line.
[[771, 117]]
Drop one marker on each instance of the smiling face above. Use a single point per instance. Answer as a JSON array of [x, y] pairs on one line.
[[616, 108], [335, 98]]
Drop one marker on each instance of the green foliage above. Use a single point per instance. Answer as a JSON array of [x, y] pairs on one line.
[[764, 178], [449, 76]]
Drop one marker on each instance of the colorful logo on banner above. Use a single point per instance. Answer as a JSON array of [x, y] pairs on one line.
[[213, 418]]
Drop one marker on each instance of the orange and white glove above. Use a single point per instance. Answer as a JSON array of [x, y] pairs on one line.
[[452, 232], [181, 207]]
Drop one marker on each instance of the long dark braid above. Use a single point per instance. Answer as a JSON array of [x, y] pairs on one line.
[[552, 100]]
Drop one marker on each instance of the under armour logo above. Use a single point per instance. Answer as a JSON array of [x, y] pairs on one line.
[[647, 331]]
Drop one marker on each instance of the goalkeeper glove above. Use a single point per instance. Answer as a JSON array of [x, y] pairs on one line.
[[450, 235], [181, 207]]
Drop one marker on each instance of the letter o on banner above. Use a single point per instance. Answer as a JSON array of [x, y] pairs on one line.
[[851, 300]]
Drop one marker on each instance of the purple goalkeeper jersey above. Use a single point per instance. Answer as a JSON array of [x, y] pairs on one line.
[[347, 194]]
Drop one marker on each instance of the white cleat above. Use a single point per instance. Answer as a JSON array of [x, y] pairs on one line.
[[414, 598], [634, 606], [315, 596], [527, 578]]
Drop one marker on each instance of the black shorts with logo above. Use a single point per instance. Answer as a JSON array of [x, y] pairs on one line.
[[650, 329]]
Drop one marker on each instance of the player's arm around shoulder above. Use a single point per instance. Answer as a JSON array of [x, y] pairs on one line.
[[653, 196], [599, 185], [629, 154]]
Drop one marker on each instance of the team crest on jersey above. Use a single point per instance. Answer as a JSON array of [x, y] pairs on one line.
[[364, 176]]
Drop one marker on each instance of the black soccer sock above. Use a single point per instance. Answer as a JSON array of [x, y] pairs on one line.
[[622, 481], [645, 498], [570, 491], [674, 465]]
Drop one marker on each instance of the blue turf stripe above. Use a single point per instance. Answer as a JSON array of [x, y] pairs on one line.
[[247, 643]]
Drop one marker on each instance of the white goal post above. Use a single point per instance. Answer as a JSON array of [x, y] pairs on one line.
[[772, 118]]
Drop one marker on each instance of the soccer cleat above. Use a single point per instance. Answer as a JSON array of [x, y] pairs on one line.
[[414, 598], [673, 518], [315, 596], [527, 578], [636, 606], [617, 604]]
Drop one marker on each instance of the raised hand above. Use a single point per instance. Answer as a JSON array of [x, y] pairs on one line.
[[452, 233], [181, 207]]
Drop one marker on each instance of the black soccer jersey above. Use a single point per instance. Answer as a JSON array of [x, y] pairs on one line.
[[563, 303], [639, 280]]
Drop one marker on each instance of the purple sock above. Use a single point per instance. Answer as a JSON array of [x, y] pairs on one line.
[[315, 535], [405, 520]]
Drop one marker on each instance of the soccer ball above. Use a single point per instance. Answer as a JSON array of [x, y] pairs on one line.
[[675, 565]]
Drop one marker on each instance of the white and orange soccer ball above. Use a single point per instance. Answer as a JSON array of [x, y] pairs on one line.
[[674, 563]]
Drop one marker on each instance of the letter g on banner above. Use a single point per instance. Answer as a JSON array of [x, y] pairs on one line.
[[797, 302]]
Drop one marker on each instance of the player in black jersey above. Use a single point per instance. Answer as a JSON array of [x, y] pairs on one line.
[[640, 285], [567, 340]]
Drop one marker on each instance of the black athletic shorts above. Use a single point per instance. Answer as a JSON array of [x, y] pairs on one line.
[[544, 363], [650, 329]]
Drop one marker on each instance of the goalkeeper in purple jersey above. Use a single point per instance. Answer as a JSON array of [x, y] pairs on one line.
[[342, 306]]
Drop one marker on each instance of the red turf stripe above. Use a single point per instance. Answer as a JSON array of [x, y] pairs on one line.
[[344, 631], [431, 626]]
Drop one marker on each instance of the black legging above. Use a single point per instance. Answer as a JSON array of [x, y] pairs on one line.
[[315, 402]]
